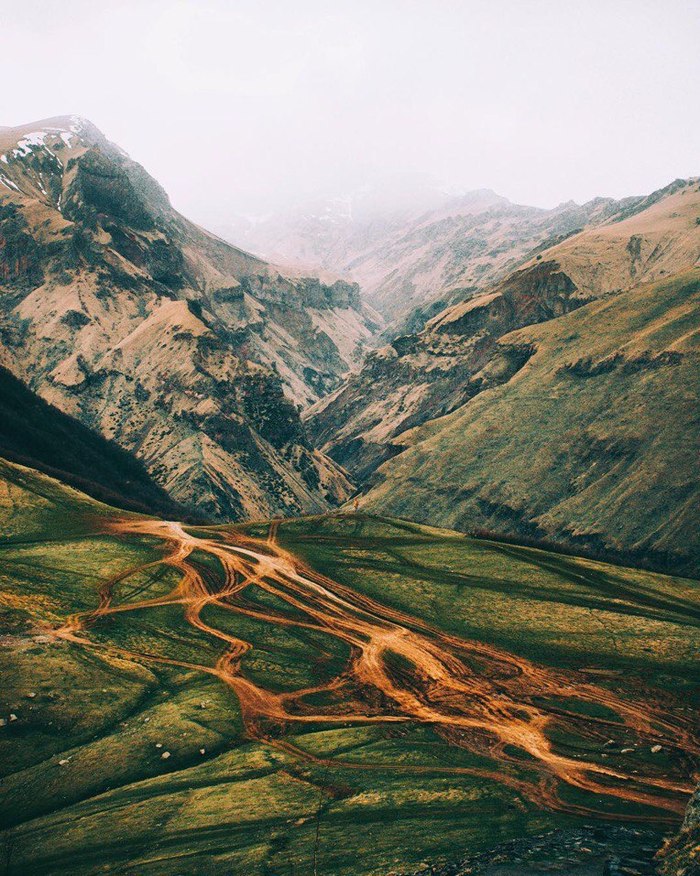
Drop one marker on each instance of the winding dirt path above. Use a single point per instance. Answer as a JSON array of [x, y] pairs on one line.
[[476, 696]]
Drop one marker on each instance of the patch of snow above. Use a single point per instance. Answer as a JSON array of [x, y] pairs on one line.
[[67, 137], [3, 158], [77, 125], [28, 142], [25, 146], [8, 183]]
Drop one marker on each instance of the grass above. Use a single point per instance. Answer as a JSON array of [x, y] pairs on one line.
[[565, 611], [364, 799], [592, 444]]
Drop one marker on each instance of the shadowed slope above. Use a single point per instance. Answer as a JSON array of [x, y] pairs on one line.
[[37, 434]]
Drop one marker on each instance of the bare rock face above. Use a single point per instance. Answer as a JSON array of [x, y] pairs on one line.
[[191, 354], [426, 375]]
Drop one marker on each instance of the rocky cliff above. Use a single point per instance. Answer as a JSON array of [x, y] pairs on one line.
[[422, 376], [188, 352]]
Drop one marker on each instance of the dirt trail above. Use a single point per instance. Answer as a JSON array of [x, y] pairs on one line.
[[476, 696]]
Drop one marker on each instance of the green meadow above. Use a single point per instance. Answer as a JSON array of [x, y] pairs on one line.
[[86, 788]]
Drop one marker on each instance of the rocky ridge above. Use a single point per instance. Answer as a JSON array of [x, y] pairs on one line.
[[431, 249], [421, 376], [188, 352]]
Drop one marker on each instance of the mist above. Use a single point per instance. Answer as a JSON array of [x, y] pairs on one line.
[[249, 107]]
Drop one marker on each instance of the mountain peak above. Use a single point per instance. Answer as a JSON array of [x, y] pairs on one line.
[[72, 130]]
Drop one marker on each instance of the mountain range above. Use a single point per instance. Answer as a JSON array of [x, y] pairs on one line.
[[414, 246], [190, 353], [380, 360], [608, 290], [214, 661]]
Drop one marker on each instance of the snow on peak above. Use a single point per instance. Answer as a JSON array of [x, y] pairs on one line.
[[77, 124]]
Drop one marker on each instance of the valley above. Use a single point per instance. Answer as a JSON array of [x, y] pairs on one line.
[[375, 554], [249, 697], [187, 352]]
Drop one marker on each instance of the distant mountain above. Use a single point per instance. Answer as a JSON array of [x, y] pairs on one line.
[[36, 434], [186, 351], [416, 248], [634, 352]]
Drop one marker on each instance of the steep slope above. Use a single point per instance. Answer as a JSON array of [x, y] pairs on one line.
[[594, 442], [184, 350], [37, 434], [421, 376], [415, 257]]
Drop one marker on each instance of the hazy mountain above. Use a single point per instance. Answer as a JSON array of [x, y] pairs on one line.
[[413, 247], [188, 352], [625, 358]]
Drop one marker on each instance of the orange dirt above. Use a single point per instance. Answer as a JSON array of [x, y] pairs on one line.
[[475, 695]]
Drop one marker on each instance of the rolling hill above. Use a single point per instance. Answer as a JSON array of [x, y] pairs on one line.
[[348, 694], [592, 442]]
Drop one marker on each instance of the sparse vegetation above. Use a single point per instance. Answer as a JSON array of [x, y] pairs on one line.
[[593, 444]]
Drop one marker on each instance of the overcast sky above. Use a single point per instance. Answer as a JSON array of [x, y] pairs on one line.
[[243, 107]]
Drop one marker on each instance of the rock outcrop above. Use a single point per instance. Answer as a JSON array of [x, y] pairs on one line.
[[419, 377], [191, 354], [680, 856]]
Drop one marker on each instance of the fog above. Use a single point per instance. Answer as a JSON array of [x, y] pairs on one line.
[[247, 107]]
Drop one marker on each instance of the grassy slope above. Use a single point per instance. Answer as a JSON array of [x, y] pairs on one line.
[[242, 807], [34, 433], [603, 455]]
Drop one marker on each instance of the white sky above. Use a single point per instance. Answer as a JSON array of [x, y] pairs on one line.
[[245, 106]]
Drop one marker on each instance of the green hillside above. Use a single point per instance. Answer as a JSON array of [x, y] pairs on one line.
[[121, 646], [37, 434], [592, 444]]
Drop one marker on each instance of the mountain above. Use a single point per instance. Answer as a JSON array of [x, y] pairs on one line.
[[457, 479], [36, 434], [427, 374], [186, 351], [415, 254], [591, 440], [456, 699]]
